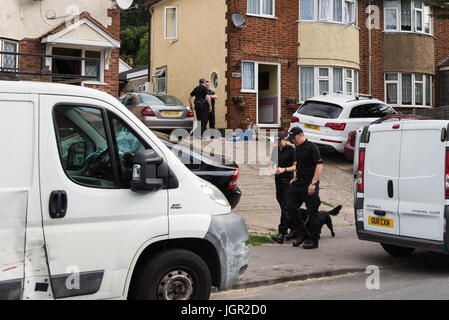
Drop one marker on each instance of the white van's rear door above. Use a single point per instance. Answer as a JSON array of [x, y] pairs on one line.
[[381, 175], [421, 182]]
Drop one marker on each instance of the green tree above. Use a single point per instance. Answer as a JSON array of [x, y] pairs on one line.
[[142, 53], [133, 29]]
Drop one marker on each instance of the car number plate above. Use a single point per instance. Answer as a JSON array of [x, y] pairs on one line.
[[380, 222], [311, 126], [171, 113]]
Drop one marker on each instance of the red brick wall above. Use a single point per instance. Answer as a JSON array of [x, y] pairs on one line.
[[377, 61], [441, 33], [263, 40], [31, 64]]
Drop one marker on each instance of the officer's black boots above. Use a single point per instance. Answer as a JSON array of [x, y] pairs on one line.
[[279, 238], [291, 235], [310, 244], [298, 241]]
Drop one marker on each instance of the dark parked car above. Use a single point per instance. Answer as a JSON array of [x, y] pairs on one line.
[[217, 169], [350, 144]]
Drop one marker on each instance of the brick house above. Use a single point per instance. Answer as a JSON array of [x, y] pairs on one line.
[[65, 41], [296, 49]]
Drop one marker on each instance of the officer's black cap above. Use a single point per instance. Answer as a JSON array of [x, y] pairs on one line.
[[293, 132]]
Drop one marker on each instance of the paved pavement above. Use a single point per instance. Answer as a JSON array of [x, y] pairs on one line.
[[274, 263]]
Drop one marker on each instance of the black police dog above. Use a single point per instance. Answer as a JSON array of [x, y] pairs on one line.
[[324, 216]]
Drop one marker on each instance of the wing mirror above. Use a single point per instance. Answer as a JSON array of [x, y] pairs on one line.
[[151, 173]]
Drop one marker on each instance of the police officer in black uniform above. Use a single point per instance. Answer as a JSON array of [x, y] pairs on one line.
[[203, 104], [283, 157], [305, 189]]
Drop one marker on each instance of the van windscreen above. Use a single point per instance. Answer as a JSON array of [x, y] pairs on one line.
[[320, 110]]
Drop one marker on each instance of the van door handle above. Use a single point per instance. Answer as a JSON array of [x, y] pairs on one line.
[[58, 204], [390, 188], [379, 212]]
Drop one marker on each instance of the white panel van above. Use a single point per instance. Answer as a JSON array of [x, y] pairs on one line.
[[93, 205], [402, 186]]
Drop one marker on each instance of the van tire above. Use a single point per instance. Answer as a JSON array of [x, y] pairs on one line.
[[155, 280], [396, 251]]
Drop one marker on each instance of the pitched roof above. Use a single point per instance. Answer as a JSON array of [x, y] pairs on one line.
[[86, 15]]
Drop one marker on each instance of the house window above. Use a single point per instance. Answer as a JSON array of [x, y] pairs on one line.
[[68, 68], [317, 80], [407, 16], [307, 83], [349, 12], [161, 80], [408, 89], [92, 67], [324, 9], [248, 74], [307, 10], [339, 11], [171, 22], [391, 14], [263, 8], [9, 62]]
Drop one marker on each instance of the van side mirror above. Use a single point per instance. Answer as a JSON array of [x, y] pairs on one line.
[[76, 156], [151, 173]]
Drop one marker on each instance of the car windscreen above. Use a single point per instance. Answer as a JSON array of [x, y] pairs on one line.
[[149, 99], [169, 99], [320, 109]]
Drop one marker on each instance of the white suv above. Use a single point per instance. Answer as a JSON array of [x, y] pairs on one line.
[[327, 119]]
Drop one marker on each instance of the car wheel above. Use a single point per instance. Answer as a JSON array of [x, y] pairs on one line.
[[174, 275], [396, 251]]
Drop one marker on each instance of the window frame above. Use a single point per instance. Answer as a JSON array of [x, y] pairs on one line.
[[330, 78], [414, 9], [261, 14], [2, 48], [108, 138], [255, 79], [318, 18], [426, 78], [161, 74], [176, 23]]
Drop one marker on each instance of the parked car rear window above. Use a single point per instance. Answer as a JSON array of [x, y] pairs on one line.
[[374, 110], [149, 99], [320, 110], [169, 99]]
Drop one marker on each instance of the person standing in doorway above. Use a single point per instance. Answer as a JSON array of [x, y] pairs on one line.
[[283, 158], [305, 188], [213, 97], [202, 105]]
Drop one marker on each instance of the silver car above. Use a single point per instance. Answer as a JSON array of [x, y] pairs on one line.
[[159, 111]]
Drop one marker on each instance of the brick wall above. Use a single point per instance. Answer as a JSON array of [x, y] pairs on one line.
[[441, 33], [377, 60], [262, 40]]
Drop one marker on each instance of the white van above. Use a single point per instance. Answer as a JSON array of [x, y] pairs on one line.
[[402, 186], [93, 205]]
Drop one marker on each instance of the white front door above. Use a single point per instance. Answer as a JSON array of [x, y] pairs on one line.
[[381, 178], [93, 223], [421, 182]]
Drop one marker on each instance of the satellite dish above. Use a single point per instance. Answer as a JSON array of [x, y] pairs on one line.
[[238, 20], [124, 4]]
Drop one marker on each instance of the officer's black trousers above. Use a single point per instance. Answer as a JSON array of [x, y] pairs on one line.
[[281, 197], [297, 195]]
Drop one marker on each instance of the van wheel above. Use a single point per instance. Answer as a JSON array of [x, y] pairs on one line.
[[396, 251], [174, 275]]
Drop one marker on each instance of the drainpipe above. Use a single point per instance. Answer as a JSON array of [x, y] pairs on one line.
[[369, 56]]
